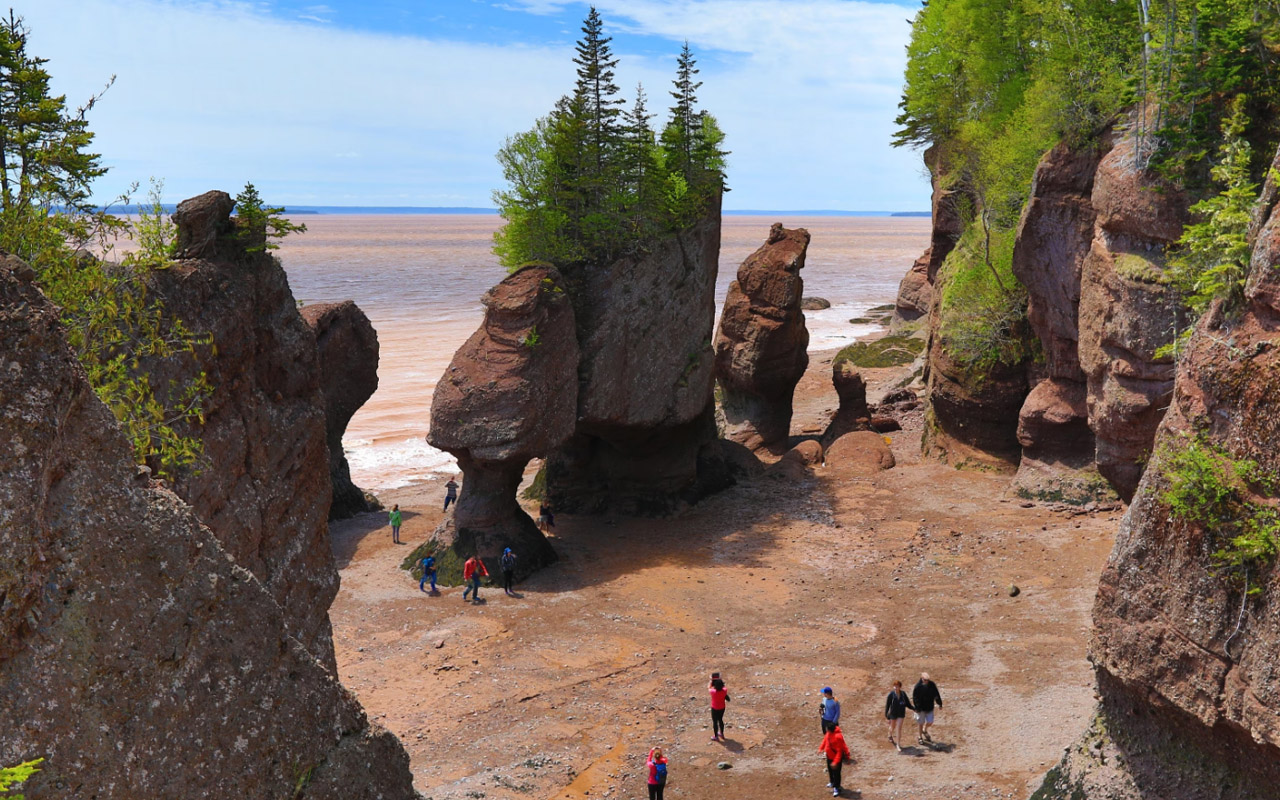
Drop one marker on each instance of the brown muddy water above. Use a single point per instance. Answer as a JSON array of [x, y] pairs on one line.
[[419, 278]]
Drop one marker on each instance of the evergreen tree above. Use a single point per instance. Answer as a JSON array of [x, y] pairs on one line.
[[596, 92], [679, 135]]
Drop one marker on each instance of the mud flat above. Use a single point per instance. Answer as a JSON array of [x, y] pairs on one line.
[[784, 586]]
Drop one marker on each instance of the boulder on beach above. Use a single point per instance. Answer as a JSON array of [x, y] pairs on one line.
[[348, 350], [761, 349], [814, 303], [509, 395], [860, 453]]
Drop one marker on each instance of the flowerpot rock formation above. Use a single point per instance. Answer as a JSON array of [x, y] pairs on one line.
[[509, 395]]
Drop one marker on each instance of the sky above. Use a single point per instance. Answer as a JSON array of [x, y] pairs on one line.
[[405, 102]]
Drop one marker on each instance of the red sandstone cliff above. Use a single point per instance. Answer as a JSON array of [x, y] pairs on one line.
[[137, 656]]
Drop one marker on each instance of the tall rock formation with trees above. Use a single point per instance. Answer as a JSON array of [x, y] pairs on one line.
[[761, 349], [631, 219]]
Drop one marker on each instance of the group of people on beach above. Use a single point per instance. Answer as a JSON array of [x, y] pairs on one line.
[[473, 570], [924, 699]]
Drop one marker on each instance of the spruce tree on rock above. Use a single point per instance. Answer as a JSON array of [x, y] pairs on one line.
[[678, 136]]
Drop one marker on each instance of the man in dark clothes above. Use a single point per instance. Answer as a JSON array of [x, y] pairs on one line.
[[924, 697]]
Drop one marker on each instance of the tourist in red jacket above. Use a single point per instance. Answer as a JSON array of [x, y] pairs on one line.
[[719, 696], [836, 751], [472, 572]]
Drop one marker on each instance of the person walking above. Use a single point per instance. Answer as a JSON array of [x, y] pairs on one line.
[[508, 563], [450, 492], [394, 518], [836, 751], [895, 710], [926, 696], [428, 573], [657, 773], [719, 697], [546, 519], [472, 571], [830, 710]]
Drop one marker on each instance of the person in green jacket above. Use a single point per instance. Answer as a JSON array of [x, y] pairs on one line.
[[395, 524]]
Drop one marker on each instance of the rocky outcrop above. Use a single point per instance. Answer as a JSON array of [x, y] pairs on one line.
[[1054, 238], [853, 413], [509, 395], [348, 358], [203, 223], [761, 349], [860, 453], [136, 656], [1128, 311], [262, 481], [1185, 646], [645, 441], [971, 418], [915, 293]]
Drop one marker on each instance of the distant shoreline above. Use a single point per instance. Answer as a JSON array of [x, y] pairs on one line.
[[442, 210]]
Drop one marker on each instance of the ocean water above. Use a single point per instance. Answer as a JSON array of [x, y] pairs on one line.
[[419, 278]]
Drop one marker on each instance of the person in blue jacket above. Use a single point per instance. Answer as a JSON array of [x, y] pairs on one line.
[[830, 710], [428, 573]]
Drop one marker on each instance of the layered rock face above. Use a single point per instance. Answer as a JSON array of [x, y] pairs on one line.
[[761, 349], [510, 394], [645, 441], [1054, 238], [262, 484], [1127, 311], [971, 419], [1185, 656], [348, 351], [136, 656], [948, 204]]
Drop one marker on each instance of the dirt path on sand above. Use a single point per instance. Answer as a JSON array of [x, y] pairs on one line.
[[782, 587]]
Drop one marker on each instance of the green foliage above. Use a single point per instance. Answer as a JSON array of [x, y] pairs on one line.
[[887, 351], [1212, 258], [1207, 487], [110, 322], [996, 83], [537, 488], [12, 778], [154, 233], [591, 182], [983, 309], [448, 563], [531, 339], [259, 226]]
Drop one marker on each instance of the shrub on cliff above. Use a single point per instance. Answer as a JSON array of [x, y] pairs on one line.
[[590, 182]]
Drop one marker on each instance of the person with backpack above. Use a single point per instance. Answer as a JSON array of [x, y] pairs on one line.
[[830, 709], [472, 571], [719, 696], [836, 751], [926, 696], [508, 563], [428, 573], [657, 773], [895, 710], [394, 518]]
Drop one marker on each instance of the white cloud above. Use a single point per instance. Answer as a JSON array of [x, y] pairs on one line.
[[210, 95]]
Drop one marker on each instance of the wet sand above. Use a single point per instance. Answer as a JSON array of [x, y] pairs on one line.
[[783, 587]]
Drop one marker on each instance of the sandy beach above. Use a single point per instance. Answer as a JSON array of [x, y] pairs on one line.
[[782, 586]]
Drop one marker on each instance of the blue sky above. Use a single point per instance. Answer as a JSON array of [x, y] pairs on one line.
[[393, 102]]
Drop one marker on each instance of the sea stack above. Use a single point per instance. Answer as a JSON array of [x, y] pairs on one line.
[[645, 442], [761, 349], [509, 395], [348, 349]]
